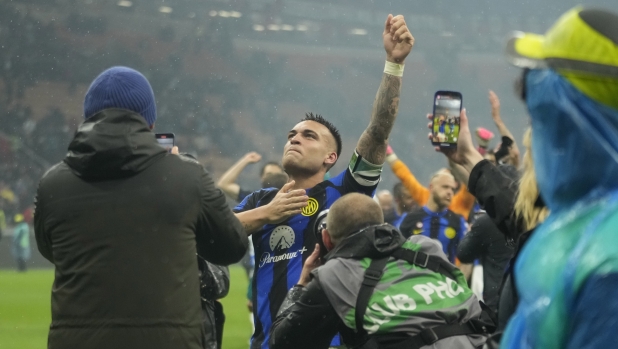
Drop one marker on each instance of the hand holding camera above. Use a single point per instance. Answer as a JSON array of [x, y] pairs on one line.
[[312, 262]]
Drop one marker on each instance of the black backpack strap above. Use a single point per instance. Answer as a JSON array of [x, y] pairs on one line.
[[373, 274], [423, 260], [489, 316], [429, 336]]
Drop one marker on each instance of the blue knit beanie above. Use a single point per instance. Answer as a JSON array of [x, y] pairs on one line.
[[121, 87]]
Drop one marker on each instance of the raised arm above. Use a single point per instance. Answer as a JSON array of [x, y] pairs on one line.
[[398, 42], [419, 193], [227, 182], [459, 172], [504, 131]]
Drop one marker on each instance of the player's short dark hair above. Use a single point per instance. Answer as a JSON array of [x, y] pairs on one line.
[[270, 163], [329, 125], [398, 190]]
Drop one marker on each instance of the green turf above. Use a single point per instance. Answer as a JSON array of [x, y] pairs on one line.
[[25, 310], [237, 331]]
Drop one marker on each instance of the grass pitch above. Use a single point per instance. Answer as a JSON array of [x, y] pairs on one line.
[[25, 310]]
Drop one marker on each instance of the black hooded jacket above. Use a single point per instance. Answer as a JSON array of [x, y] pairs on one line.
[[121, 219], [497, 192]]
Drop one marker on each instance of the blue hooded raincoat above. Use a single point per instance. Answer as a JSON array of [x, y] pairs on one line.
[[567, 274]]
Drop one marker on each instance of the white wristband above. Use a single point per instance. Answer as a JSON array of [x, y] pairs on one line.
[[395, 69], [391, 158]]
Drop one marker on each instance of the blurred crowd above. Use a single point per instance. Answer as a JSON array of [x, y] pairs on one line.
[[45, 68]]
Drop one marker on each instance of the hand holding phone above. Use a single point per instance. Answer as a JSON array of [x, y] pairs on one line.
[[447, 107], [166, 140], [465, 154]]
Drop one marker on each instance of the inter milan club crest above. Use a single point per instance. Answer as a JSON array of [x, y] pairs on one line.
[[311, 208]]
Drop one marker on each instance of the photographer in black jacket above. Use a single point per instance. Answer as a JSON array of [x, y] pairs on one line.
[[122, 220]]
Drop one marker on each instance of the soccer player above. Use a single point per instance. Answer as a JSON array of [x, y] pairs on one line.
[[227, 182], [441, 136], [434, 219], [281, 221]]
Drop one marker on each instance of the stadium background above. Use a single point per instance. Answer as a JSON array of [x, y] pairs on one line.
[[232, 77]]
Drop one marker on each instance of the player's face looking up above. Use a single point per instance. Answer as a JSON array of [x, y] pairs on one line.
[[310, 148]]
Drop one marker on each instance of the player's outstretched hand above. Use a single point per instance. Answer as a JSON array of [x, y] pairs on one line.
[[286, 203], [465, 154], [398, 40], [312, 262]]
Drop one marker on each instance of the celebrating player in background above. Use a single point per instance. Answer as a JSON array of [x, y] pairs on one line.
[[434, 219], [228, 184], [281, 221], [461, 203]]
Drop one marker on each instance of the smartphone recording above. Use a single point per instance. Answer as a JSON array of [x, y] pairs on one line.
[[166, 140], [446, 115]]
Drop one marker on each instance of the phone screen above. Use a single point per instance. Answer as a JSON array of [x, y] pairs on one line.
[[446, 115], [166, 140]]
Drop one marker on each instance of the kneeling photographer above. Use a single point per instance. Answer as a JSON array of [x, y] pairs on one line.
[[377, 289]]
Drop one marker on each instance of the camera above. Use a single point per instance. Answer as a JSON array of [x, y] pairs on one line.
[[318, 225]]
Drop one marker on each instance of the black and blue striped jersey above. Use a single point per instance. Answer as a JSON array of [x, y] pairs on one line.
[[281, 249], [445, 226]]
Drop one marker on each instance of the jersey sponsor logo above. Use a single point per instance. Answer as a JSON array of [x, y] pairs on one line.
[[311, 208], [268, 258], [281, 239]]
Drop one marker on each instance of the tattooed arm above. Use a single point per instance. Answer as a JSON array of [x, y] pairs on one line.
[[373, 142], [398, 42]]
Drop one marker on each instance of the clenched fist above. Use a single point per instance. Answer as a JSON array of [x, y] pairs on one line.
[[398, 40]]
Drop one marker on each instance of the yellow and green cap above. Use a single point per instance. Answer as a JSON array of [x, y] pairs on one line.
[[582, 46]]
